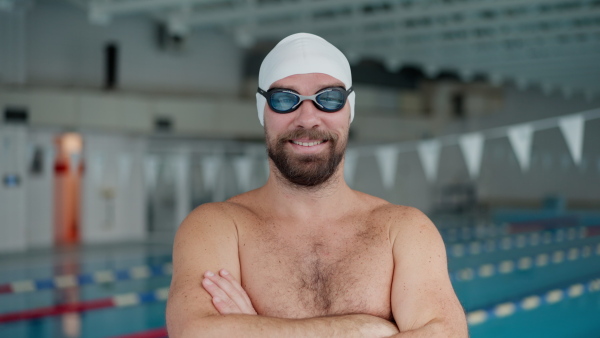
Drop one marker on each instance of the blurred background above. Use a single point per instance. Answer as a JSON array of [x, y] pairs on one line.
[[118, 117]]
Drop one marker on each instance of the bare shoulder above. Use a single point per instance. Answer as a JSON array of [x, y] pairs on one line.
[[204, 217], [406, 224], [223, 214], [208, 225]]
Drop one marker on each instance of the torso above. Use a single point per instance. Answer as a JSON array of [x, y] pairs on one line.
[[342, 267]]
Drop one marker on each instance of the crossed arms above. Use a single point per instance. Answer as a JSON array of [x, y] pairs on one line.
[[205, 305]]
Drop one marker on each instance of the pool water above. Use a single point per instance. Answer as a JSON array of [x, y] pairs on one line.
[[119, 290]]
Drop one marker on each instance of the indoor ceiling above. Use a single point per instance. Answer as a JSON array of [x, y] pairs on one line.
[[551, 44]]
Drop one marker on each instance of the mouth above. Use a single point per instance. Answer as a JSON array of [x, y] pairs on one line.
[[310, 143]]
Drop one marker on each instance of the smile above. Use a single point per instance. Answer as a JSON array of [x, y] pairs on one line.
[[308, 144]]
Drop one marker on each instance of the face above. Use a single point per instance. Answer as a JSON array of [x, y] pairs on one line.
[[307, 145]]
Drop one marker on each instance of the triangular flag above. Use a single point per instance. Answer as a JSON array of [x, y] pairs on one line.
[[520, 137], [472, 149], [572, 128], [243, 171], [429, 153], [350, 162], [210, 169], [387, 156]]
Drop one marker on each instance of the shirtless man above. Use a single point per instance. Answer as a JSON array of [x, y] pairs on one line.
[[305, 255]]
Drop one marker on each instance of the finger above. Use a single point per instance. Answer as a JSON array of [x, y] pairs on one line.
[[220, 300], [248, 303], [230, 290], [225, 274], [223, 307], [224, 304]]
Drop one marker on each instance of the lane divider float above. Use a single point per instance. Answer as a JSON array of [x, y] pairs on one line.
[[532, 302], [116, 301], [525, 263], [97, 277], [154, 333], [480, 231], [467, 233], [518, 241]]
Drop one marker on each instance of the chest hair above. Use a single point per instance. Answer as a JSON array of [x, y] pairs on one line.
[[325, 274]]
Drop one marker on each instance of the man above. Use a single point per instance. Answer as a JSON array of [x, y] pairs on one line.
[[305, 255]]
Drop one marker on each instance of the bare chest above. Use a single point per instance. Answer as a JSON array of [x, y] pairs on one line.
[[294, 275]]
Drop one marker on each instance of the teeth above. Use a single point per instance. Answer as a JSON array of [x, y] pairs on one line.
[[307, 144]]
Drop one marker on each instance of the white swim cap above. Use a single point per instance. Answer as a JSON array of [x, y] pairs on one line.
[[302, 53]]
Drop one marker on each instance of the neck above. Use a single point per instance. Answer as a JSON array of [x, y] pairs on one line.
[[323, 201]]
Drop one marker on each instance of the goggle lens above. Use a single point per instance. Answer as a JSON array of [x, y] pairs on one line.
[[285, 101], [332, 100]]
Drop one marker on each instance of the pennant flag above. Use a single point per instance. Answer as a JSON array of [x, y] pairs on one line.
[[572, 128], [387, 156], [210, 169], [243, 171], [520, 137], [429, 153], [350, 162], [472, 149]]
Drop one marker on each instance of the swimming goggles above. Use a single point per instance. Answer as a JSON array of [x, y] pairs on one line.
[[285, 101]]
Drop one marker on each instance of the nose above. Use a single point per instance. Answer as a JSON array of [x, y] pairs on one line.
[[307, 115]]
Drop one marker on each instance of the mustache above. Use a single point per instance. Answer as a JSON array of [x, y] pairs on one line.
[[313, 134]]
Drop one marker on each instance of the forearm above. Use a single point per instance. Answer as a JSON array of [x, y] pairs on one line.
[[260, 326], [436, 329]]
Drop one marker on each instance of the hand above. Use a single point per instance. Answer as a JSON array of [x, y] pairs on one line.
[[378, 327], [227, 293]]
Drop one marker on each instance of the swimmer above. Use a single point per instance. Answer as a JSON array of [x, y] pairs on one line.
[[305, 255]]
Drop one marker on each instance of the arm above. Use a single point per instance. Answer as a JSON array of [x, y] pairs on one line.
[[423, 300], [207, 241]]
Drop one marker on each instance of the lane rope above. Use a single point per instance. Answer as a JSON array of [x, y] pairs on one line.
[[491, 230], [466, 233], [519, 241], [154, 333], [532, 302], [116, 301], [523, 263], [97, 277]]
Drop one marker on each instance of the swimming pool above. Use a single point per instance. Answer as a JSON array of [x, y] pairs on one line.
[[542, 284]]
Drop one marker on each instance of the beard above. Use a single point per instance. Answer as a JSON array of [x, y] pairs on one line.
[[310, 170]]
